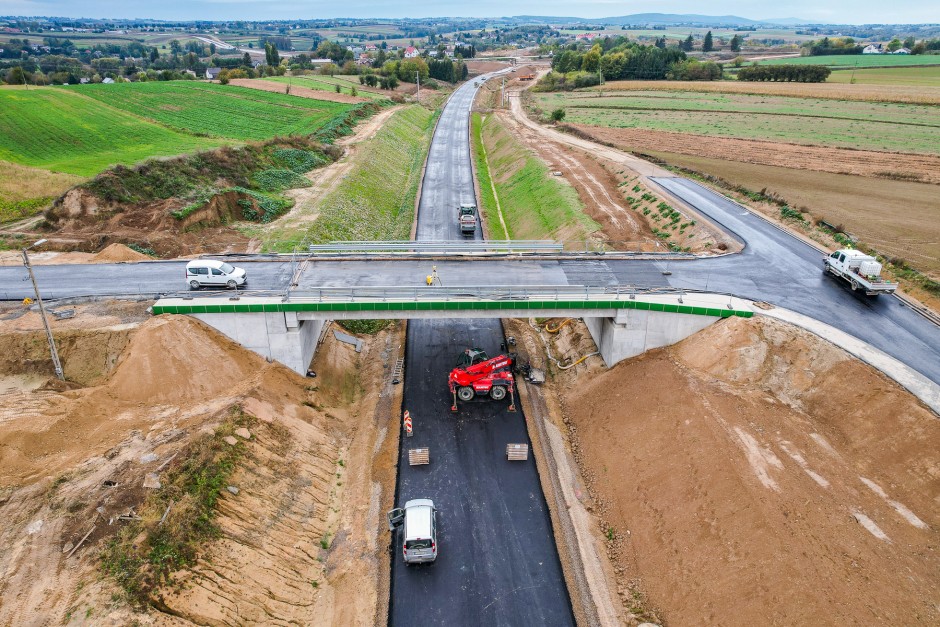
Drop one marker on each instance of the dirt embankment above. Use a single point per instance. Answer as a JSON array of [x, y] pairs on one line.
[[298, 531], [754, 474], [615, 189], [85, 223]]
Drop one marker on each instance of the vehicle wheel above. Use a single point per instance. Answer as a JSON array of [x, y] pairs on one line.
[[498, 393], [465, 393], [194, 285], [232, 284], [854, 285]]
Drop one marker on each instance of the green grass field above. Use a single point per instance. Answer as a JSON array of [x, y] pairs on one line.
[[213, 110], [328, 83], [842, 61], [376, 199], [850, 124], [61, 130], [533, 204], [913, 76]]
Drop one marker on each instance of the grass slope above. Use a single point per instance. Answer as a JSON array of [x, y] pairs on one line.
[[218, 110], [534, 204], [375, 201], [61, 130]]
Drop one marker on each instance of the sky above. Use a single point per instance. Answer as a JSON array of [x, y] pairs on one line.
[[831, 11]]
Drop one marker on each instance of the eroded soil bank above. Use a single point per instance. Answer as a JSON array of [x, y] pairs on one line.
[[298, 517]]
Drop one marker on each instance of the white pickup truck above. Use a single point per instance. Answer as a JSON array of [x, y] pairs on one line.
[[863, 272]]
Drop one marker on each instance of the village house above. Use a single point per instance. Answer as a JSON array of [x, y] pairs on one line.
[[411, 52], [212, 73]]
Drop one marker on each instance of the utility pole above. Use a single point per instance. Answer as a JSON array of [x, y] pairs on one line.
[[502, 93], [42, 312], [418, 91]]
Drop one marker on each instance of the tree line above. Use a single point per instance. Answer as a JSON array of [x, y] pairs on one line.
[[785, 73]]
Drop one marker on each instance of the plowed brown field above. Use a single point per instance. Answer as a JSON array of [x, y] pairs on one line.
[[925, 168]]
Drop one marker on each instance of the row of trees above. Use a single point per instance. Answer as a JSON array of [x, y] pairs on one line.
[[785, 73], [848, 45], [626, 61]]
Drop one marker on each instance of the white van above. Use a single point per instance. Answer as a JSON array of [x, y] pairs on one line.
[[419, 522], [214, 273]]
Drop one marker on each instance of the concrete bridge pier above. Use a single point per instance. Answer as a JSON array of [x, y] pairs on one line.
[[634, 331], [276, 335]]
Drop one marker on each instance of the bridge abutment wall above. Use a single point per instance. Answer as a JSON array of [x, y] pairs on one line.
[[632, 331], [273, 335]]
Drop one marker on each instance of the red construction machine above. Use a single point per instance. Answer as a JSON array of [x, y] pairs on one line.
[[477, 375]]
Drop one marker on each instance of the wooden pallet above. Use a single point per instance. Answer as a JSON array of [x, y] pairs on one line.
[[517, 452], [397, 371], [419, 456]]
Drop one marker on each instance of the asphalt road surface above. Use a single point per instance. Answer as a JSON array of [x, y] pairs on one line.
[[497, 562]]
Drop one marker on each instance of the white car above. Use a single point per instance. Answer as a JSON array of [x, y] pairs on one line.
[[419, 521], [214, 273]]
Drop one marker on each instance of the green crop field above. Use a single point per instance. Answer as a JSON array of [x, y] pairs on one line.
[[844, 61], [223, 111], [328, 83], [914, 76], [61, 130], [850, 124]]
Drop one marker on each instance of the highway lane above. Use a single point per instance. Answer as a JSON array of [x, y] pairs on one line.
[[497, 562]]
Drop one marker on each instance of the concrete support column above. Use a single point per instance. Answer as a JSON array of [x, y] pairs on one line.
[[635, 331], [277, 335]]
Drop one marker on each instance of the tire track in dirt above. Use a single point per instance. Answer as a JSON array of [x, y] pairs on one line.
[[618, 223]]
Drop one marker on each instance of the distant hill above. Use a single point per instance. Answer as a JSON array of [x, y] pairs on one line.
[[664, 19]]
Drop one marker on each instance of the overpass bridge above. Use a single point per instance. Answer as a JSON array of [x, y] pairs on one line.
[[623, 320]]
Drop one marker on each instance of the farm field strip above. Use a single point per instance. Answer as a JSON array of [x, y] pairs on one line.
[[63, 131], [859, 60], [215, 110], [895, 93], [323, 84], [918, 115], [872, 126], [913, 76]]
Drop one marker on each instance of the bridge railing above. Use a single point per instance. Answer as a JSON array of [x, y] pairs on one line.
[[438, 246], [438, 293]]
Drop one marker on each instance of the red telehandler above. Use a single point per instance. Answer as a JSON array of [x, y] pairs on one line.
[[475, 374]]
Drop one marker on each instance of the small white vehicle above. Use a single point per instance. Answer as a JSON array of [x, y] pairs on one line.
[[418, 519], [214, 273], [861, 271]]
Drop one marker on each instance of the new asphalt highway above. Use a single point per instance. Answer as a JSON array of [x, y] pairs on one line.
[[497, 562]]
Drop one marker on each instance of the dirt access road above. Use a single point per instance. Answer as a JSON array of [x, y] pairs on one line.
[[598, 186], [324, 180]]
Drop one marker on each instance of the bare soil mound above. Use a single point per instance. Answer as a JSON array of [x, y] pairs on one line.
[[78, 467], [754, 474], [118, 253], [86, 223]]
